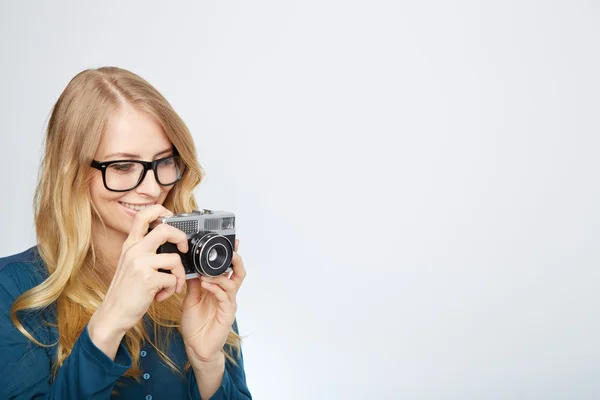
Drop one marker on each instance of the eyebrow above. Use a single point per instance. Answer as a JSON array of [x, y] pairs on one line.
[[129, 155]]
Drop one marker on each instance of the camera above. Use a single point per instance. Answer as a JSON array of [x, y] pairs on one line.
[[211, 241]]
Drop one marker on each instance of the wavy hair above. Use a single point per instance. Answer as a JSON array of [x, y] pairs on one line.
[[65, 216]]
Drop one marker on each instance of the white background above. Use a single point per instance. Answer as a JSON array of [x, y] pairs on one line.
[[416, 183]]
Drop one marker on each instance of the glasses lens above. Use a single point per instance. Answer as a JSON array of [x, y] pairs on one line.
[[169, 170], [123, 176]]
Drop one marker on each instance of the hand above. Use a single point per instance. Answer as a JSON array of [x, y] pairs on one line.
[[209, 309], [137, 281]]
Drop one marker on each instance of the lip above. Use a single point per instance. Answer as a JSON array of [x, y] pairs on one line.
[[131, 211]]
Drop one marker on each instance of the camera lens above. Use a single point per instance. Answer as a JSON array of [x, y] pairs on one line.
[[211, 253]]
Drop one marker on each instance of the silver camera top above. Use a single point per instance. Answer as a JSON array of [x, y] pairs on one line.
[[221, 222]]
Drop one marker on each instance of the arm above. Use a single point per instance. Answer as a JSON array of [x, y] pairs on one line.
[[232, 379], [26, 369]]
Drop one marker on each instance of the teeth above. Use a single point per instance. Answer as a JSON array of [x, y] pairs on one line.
[[137, 207]]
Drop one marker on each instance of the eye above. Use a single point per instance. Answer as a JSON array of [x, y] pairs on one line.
[[168, 161], [122, 167]]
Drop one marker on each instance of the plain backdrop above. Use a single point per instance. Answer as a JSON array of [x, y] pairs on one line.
[[415, 183]]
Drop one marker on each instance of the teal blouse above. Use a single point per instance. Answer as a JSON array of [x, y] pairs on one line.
[[25, 368]]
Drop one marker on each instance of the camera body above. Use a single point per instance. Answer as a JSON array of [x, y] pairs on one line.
[[211, 241]]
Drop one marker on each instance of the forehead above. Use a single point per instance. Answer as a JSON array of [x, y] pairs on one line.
[[134, 132]]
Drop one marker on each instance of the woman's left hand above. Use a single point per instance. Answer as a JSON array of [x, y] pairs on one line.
[[209, 309]]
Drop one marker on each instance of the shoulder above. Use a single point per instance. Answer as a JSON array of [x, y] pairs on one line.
[[28, 256], [21, 272]]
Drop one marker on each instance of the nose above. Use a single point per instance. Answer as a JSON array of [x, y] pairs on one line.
[[149, 187]]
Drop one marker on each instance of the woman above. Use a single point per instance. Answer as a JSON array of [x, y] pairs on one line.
[[86, 314]]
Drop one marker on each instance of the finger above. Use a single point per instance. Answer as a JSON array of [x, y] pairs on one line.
[[239, 271], [162, 234], [142, 221], [170, 262], [224, 283], [237, 244], [219, 293], [167, 261], [193, 293], [163, 295], [165, 285]]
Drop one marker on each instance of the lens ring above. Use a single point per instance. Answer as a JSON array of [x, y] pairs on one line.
[[221, 254], [202, 245]]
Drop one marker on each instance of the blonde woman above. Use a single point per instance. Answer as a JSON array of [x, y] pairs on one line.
[[86, 314]]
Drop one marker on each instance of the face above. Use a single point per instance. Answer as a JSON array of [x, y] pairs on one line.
[[131, 135]]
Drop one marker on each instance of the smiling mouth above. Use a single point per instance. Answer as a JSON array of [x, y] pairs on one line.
[[137, 207]]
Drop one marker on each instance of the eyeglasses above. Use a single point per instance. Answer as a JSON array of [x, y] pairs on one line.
[[125, 175]]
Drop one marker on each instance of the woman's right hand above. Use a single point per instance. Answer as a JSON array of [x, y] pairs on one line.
[[137, 281]]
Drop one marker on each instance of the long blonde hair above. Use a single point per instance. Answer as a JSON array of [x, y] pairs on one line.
[[64, 213]]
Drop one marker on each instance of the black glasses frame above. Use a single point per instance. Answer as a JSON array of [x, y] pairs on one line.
[[148, 165]]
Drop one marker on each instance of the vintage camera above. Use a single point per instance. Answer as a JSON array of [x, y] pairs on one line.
[[211, 240]]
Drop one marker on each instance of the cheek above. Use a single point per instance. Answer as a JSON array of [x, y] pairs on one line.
[[164, 193], [99, 195]]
